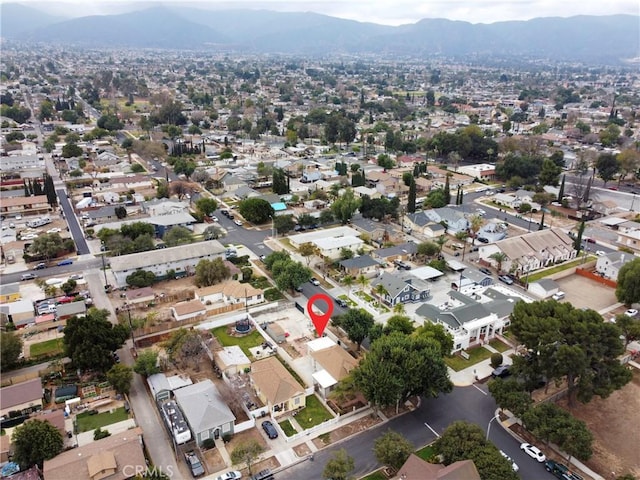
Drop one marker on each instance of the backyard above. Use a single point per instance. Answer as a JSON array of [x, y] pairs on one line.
[[245, 342], [86, 422], [314, 413]]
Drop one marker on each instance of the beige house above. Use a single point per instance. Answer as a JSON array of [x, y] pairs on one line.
[[232, 360], [330, 365], [417, 469], [231, 292], [21, 396], [117, 457], [186, 310], [276, 387]]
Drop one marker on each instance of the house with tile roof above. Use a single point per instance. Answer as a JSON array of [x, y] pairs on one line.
[[276, 387], [205, 411]]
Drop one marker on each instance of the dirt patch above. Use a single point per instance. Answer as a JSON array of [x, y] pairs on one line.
[[213, 460], [615, 425], [347, 430], [408, 406], [291, 350], [271, 463], [246, 436], [302, 450]]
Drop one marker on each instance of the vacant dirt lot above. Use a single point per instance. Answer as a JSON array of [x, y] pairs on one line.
[[582, 292], [615, 424]]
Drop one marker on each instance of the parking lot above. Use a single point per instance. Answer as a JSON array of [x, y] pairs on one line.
[[584, 293]]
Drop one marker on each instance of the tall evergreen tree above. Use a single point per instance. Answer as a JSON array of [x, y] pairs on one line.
[[561, 191], [50, 191], [587, 191], [37, 187], [411, 202], [26, 188], [577, 244], [541, 227], [447, 190], [30, 185], [416, 170]]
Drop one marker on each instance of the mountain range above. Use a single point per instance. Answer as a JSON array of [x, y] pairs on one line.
[[609, 40]]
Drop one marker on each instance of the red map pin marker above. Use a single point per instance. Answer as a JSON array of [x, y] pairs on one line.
[[320, 321]]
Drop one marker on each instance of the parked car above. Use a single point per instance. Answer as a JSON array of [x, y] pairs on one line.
[[342, 303], [269, 429], [65, 299], [298, 288], [591, 240], [65, 262], [501, 372], [315, 281], [486, 271], [561, 471], [514, 465], [263, 475], [40, 266], [238, 222], [558, 295], [632, 312], [533, 451], [28, 276], [235, 475], [263, 258], [505, 279], [194, 463], [214, 218], [225, 212]]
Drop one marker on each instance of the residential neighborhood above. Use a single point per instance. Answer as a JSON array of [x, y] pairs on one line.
[[344, 266]]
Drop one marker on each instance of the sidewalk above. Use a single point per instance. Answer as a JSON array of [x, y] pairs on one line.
[[480, 370]]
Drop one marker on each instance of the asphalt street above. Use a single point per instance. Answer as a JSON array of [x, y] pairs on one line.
[[471, 404]]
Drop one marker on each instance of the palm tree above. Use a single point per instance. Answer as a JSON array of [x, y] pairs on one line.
[[348, 282], [500, 258], [462, 236], [475, 224], [441, 241], [380, 291], [363, 281], [399, 308]]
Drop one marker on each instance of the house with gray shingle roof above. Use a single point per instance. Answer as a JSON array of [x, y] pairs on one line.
[[361, 265], [204, 409], [403, 251], [401, 288]]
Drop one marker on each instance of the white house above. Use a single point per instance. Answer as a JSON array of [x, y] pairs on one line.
[[231, 292], [330, 364], [609, 265], [629, 235], [332, 247], [544, 288], [187, 310]]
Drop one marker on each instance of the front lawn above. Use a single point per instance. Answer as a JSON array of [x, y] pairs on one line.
[[287, 428], [313, 414], [245, 342], [86, 422], [427, 453], [499, 345], [377, 475], [476, 355], [48, 347]]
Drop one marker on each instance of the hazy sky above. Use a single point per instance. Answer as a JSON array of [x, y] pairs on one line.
[[389, 12]]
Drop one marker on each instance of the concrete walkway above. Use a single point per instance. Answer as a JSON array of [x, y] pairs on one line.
[[480, 370]]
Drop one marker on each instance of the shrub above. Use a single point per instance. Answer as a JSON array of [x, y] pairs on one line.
[[496, 360], [208, 443]]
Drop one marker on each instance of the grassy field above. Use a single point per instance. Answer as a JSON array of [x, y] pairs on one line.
[[48, 347], [287, 428], [245, 342], [313, 414], [559, 268], [426, 453], [475, 355], [88, 422], [498, 345]]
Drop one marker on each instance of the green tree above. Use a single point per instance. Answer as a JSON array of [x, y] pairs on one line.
[[256, 210], [177, 235], [435, 199], [141, 278], [630, 327], [99, 434], [110, 122], [276, 257], [475, 224], [392, 449], [247, 453], [399, 323], [510, 395], [339, 467], [10, 349], [280, 182], [89, 340], [427, 249], [572, 344], [283, 223], [210, 272], [47, 245], [206, 205], [466, 441], [34, 442], [399, 366], [607, 166], [438, 333], [147, 363], [356, 322], [411, 199], [345, 206], [121, 212], [70, 150], [577, 244], [120, 376], [293, 275], [628, 288], [549, 173], [308, 250], [499, 258], [68, 286]]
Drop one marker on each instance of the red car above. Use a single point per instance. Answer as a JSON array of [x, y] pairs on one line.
[[65, 300]]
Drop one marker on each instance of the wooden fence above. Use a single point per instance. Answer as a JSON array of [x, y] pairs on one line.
[[596, 278]]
